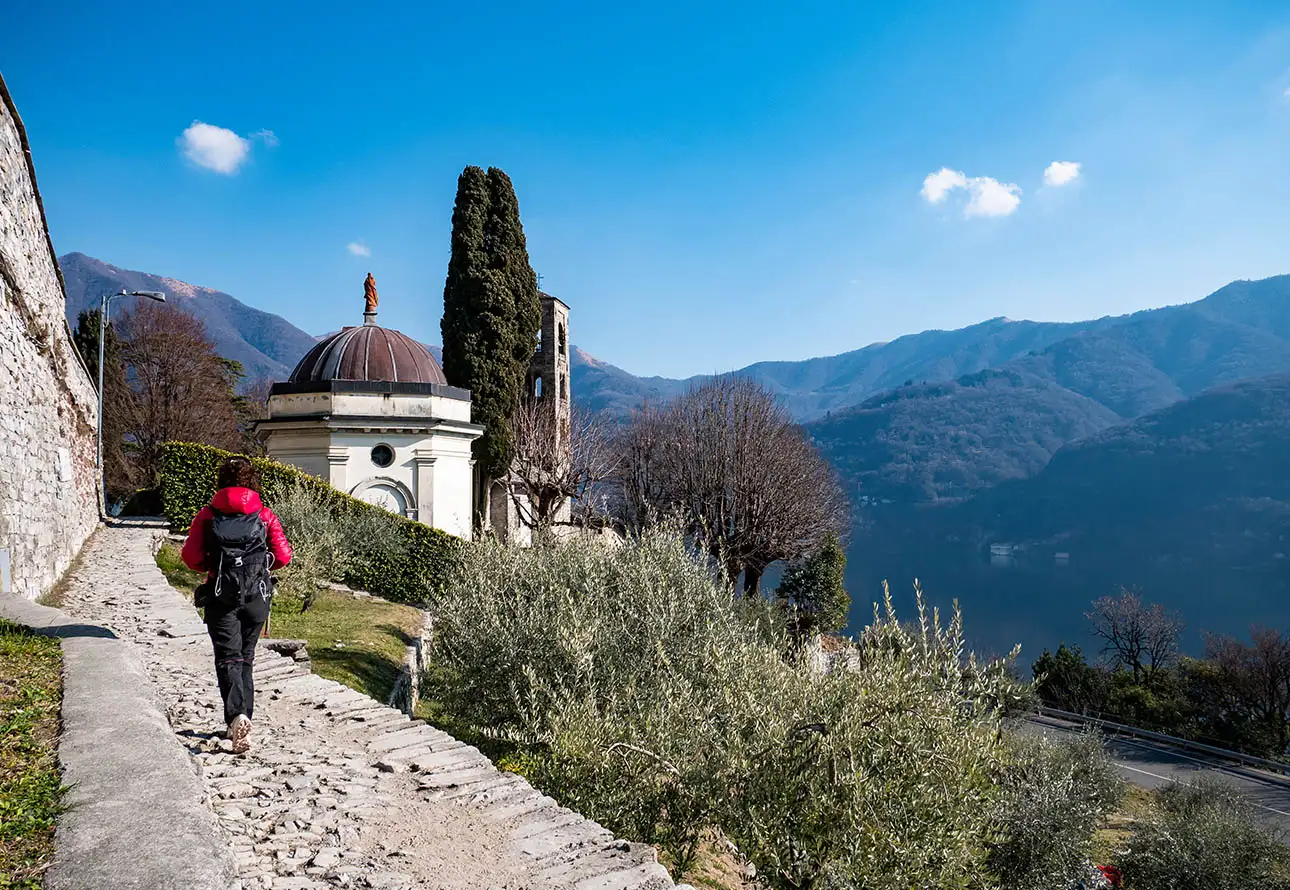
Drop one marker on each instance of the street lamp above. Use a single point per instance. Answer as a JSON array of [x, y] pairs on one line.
[[103, 322]]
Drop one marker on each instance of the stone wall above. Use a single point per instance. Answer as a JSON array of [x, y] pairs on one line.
[[48, 405]]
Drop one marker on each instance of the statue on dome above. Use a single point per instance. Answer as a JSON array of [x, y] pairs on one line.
[[369, 293]]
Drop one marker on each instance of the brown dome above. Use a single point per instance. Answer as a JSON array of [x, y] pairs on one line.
[[369, 353]]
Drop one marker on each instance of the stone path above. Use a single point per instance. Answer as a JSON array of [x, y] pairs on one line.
[[338, 790]]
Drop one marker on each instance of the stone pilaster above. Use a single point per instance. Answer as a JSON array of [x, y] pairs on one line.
[[423, 460]]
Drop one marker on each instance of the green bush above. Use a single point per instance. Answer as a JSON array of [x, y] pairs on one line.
[[1202, 837], [1056, 796], [1065, 680], [812, 590], [883, 772], [390, 556], [320, 551], [656, 705], [1159, 705]]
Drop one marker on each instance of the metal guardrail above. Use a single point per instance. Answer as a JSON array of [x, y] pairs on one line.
[[1281, 769]]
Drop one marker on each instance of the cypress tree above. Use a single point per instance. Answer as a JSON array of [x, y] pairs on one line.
[[491, 315]]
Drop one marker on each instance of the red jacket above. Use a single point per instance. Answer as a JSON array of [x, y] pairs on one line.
[[233, 500]]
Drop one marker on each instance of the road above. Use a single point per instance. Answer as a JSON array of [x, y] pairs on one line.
[[1150, 764]]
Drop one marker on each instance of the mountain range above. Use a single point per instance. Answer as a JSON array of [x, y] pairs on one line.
[[948, 439], [267, 345], [1188, 504]]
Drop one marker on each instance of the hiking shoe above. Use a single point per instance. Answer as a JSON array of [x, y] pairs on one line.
[[239, 733]]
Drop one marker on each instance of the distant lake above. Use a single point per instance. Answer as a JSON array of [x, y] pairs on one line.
[[1039, 604]]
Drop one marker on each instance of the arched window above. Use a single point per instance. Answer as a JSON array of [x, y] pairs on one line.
[[539, 346], [564, 346], [537, 386]]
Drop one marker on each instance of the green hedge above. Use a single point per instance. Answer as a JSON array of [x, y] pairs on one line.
[[188, 483]]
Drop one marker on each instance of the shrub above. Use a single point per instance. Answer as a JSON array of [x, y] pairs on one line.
[[883, 775], [812, 590], [1065, 680], [318, 542], [1160, 706], [1202, 837], [1056, 796], [660, 708], [389, 555]]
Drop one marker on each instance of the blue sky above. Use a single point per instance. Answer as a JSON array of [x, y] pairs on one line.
[[707, 185]]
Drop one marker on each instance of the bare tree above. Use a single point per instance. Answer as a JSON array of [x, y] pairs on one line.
[[1255, 679], [731, 463], [255, 393], [641, 482], [177, 388], [252, 404], [555, 465], [1140, 636]]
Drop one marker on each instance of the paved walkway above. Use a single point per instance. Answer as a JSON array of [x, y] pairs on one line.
[[338, 790]]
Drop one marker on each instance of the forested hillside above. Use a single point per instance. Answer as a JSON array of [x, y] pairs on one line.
[[266, 344], [1209, 476], [932, 441]]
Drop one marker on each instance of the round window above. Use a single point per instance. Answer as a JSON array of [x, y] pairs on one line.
[[382, 455]]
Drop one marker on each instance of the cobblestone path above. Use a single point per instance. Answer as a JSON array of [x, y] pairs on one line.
[[338, 790]]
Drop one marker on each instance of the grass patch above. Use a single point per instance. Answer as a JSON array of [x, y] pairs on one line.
[[714, 867], [31, 691], [373, 637], [358, 642], [1118, 828], [178, 575]]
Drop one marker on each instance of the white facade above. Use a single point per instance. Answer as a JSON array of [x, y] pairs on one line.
[[404, 447]]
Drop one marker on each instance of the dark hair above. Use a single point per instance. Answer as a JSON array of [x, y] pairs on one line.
[[238, 472]]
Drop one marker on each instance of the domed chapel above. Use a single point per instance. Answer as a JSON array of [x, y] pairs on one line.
[[369, 410]]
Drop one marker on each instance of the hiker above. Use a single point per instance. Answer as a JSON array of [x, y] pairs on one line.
[[237, 541]]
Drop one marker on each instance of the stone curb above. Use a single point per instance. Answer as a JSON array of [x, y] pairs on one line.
[[135, 816]]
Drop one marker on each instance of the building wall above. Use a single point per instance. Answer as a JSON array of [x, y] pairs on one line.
[[371, 405], [48, 406], [430, 479]]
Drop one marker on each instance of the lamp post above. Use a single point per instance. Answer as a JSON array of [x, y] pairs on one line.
[[103, 322]]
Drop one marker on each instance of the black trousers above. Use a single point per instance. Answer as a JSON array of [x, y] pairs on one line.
[[234, 629]]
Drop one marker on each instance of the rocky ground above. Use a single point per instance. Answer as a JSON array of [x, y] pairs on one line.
[[338, 790]]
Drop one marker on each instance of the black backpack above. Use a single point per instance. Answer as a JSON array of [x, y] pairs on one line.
[[238, 548]]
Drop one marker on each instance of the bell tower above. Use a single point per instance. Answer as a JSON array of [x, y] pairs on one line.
[[548, 377], [547, 385]]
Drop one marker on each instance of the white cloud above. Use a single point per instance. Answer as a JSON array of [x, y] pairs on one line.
[[358, 248], [218, 148], [214, 148], [989, 197], [1060, 173], [939, 184]]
